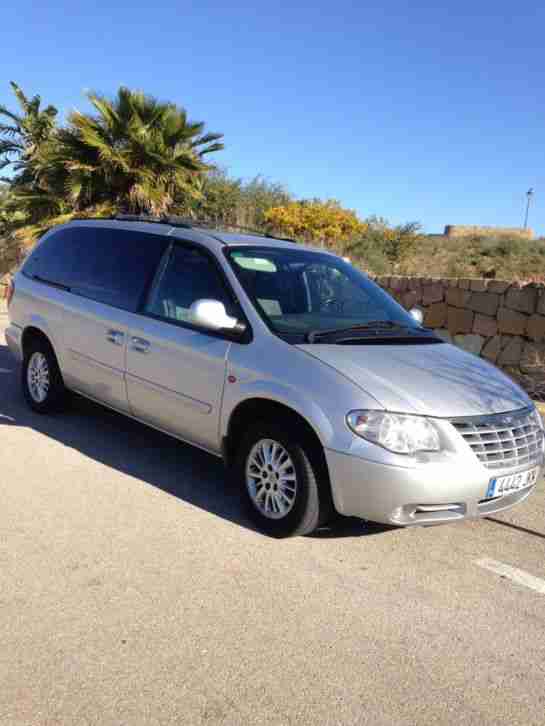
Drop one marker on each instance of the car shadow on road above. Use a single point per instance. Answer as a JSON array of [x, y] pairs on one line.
[[147, 455]]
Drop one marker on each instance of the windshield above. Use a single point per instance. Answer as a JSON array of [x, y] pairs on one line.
[[300, 293]]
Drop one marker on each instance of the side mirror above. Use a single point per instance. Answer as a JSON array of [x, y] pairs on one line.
[[417, 314], [211, 314]]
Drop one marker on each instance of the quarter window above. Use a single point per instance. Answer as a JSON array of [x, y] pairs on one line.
[[111, 266]]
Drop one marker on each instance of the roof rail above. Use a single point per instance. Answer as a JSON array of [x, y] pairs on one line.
[[189, 223], [171, 220]]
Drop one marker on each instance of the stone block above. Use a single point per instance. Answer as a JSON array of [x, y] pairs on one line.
[[485, 325], [464, 284], [470, 343], [478, 285], [436, 315], [492, 348], [540, 308], [458, 297], [459, 321], [523, 299], [511, 322], [484, 302], [498, 286], [453, 282], [511, 352], [443, 333], [533, 358], [433, 293], [535, 327]]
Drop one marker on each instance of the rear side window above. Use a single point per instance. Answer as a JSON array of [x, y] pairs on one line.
[[110, 266]]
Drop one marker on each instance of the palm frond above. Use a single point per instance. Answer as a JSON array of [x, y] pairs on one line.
[[18, 120]]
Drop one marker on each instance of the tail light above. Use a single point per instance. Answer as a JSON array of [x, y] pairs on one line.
[[11, 290]]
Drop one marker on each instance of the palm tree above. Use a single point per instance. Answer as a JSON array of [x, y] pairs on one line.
[[22, 134], [136, 153]]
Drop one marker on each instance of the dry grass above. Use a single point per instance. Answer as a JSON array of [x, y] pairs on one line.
[[440, 256]]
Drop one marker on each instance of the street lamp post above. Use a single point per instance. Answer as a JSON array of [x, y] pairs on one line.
[[529, 195]]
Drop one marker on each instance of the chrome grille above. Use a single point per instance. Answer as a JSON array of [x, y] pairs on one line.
[[505, 440]]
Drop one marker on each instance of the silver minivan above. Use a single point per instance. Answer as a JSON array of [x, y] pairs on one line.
[[319, 391]]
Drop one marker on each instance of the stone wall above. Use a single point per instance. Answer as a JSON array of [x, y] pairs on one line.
[[498, 320], [460, 230]]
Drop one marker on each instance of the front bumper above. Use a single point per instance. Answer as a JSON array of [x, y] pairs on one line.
[[430, 494], [13, 336]]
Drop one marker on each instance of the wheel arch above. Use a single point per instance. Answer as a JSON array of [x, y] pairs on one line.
[[32, 333], [258, 409]]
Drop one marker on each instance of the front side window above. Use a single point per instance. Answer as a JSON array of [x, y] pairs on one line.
[[185, 276], [307, 296]]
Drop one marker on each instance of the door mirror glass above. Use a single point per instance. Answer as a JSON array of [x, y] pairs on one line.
[[417, 314], [211, 314]]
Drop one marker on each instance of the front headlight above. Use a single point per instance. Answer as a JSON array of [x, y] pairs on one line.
[[401, 433]]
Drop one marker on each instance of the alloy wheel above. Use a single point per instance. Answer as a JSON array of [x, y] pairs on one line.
[[38, 377], [271, 479]]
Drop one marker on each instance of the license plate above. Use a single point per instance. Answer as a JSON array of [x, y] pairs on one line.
[[502, 485]]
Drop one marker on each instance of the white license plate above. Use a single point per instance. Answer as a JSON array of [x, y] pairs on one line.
[[502, 485]]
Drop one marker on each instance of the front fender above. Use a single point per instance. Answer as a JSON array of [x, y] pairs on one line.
[[271, 369], [241, 391]]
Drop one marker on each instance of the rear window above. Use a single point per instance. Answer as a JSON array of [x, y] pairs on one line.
[[111, 266]]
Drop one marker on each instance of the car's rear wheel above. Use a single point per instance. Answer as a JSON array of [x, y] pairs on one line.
[[282, 480], [42, 383]]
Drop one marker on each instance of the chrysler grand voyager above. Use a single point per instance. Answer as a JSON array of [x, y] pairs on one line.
[[319, 391]]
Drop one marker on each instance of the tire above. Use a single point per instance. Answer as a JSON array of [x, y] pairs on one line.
[[41, 379], [302, 487]]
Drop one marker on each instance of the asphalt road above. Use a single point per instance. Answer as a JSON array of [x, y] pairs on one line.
[[133, 592]]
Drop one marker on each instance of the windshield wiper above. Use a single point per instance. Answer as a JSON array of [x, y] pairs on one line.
[[374, 327]]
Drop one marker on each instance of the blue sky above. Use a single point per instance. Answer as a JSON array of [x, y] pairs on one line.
[[429, 112]]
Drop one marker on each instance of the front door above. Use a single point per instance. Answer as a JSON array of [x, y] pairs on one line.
[[175, 370]]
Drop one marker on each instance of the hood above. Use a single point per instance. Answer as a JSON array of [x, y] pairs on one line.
[[435, 380]]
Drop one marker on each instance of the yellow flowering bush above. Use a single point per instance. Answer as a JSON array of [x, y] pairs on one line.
[[315, 221]]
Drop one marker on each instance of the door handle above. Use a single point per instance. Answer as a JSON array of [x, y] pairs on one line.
[[115, 336], [140, 345]]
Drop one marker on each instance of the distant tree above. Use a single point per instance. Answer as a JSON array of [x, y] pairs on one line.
[[258, 197], [23, 133], [385, 248], [233, 202], [136, 153]]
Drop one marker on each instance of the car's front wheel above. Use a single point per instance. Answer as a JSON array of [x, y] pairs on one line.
[[283, 481], [42, 383]]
